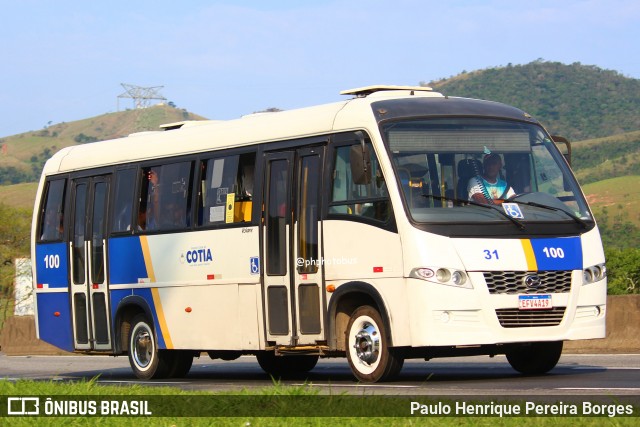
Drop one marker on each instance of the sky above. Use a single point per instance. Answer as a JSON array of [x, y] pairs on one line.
[[65, 60]]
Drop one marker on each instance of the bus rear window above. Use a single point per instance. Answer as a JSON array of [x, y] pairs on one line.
[[52, 224]]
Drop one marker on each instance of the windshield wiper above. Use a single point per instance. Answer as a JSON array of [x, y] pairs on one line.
[[519, 224], [553, 208]]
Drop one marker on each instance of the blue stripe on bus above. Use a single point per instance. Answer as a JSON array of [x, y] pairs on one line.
[[126, 261], [55, 330], [560, 253]]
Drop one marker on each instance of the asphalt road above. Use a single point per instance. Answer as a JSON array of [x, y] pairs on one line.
[[574, 375]]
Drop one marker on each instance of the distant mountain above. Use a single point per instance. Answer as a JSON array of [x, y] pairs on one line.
[[22, 156], [576, 101]]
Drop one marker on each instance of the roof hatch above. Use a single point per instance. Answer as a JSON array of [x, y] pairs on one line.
[[368, 90]]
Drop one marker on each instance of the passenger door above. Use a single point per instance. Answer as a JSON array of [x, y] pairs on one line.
[[293, 279], [87, 252]]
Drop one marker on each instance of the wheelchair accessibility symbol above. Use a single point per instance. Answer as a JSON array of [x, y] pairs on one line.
[[255, 265], [513, 210]]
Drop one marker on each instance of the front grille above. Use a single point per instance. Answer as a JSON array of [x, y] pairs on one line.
[[512, 282], [515, 318]]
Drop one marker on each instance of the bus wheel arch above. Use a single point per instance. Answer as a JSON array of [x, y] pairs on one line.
[[128, 308], [344, 302], [359, 325]]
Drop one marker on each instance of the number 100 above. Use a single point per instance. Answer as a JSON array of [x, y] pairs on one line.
[[52, 261], [553, 252]]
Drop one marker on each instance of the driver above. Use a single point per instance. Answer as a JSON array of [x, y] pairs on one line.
[[489, 186]]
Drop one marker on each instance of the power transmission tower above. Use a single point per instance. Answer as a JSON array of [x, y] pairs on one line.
[[141, 96]]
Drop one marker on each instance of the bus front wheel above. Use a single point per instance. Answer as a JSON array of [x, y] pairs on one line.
[[535, 358], [147, 362], [368, 352]]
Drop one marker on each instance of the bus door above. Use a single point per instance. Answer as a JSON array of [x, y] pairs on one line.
[[89, 294], [293, 274]]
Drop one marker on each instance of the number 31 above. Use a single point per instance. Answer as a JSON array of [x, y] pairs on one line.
[[488, 254]]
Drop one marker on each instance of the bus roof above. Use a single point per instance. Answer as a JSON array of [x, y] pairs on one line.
[[192, 137]]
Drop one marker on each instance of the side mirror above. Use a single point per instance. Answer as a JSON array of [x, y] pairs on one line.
[[566, 152], [360, 160]]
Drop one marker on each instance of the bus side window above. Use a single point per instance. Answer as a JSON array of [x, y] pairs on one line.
[[165, 197], [52, 216], [123, 200], [369, 200], [221, 177]]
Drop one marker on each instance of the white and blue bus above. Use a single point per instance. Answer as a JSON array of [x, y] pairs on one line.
[[348, 229]]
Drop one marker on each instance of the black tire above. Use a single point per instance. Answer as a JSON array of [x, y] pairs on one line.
[[535, 358], [147, 362], [368, 352], [286, 366], [181, 363]]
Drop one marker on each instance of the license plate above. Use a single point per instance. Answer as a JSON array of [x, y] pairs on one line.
[[534, 302]]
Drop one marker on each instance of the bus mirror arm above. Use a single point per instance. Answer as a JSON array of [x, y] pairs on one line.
[[566, 152], [560, 140]]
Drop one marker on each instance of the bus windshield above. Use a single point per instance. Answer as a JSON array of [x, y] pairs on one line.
[[482, 171]]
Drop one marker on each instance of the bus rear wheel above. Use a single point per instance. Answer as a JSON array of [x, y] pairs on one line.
[[147, 362], [283, 366], [535, 358], [368, 352], [180, 363]]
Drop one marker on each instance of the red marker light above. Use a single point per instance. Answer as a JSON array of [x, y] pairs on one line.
[[377, 269], [211, 276], [56, 314]]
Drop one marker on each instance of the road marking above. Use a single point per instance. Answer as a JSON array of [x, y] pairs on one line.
[[143, 382], [356, 385], [611, 368], [600, 388]]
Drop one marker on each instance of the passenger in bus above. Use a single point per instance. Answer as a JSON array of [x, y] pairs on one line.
[[174, 216], [52, 228], [489, 187], [152, 213]]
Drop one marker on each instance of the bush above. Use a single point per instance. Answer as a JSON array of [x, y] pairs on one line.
[[623, 271]]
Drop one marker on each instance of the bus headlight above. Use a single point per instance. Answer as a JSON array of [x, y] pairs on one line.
[[442, 276], [593, 274], [458, 278]]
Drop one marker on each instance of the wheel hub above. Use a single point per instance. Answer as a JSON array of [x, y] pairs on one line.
[[142, 348], [367, 344]]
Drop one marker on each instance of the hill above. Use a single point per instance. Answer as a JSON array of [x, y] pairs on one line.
[[577, 101], [615, 203], [22, 156], [603, 158]]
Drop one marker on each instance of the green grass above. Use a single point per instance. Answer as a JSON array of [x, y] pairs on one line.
[[19, 195], [619, 196], [278, 398]]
